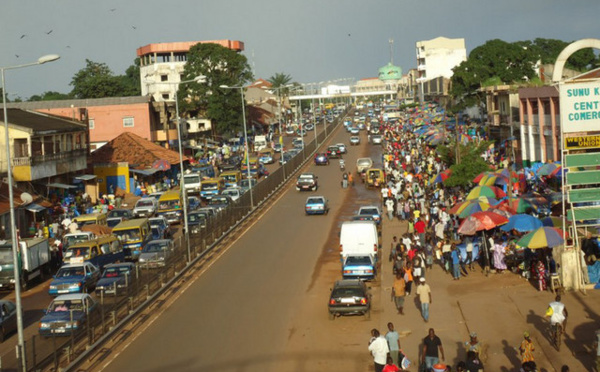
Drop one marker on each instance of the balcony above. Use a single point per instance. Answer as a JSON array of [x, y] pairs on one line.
[[422, 67], [49, 165]]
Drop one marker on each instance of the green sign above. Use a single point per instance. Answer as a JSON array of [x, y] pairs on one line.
[[583, 178], [582, 160]]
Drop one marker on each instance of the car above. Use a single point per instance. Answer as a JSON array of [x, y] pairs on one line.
[[333, 152], [74, 278], [233, 192], [301, 132], [376, 139], [277, 147], [156, 253], [145, 207], [247, 183], [362, 164], [289, 130], [321, 158], [67, 314], [266, 157], [157, 232], [354, 130], [127, 214], [370, 210], [307, 181], [219, 202], [359, 267], [156, 195], [193, 203], [196, 222], [316, 205], [342, 148], [354, 140], [162, 222], [375, 129], [8, 321], [287, 156], [349, 297], [309, 127], [362, 126], [113, 221], [116, 279]]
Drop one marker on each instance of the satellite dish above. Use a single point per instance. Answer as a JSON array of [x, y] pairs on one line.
[[26, 198]]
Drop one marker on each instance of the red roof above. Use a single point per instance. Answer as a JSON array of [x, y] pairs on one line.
[[135, 150]]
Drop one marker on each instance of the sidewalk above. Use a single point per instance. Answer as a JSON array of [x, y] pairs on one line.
[[499, 308]]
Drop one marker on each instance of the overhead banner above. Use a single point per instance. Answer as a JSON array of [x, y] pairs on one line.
[[580, 107]]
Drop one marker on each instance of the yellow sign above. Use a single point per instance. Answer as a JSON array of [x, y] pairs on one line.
[[586, 142]]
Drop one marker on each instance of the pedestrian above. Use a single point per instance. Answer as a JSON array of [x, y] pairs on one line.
[[389, 205], [455, 257], [473, 344], [378, 347], [408, 277], [420, 229], [424, 293], [565, 368], [399, 292], [432, 349], [597, 349], [526, 350], [393, 340], [473, 363], [390, 366]]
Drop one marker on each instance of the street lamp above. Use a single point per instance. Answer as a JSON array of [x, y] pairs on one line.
[[278, 89], [20, 347], [197, 79], [241, 88]]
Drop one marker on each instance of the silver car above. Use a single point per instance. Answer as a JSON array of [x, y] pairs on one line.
[[156, 253]]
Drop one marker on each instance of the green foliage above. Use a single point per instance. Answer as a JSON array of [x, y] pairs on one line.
[[96, 80], [279, 80], [547, 50], [221, 66], [50, 96], [471, 162]]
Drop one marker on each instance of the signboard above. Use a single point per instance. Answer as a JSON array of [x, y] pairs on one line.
[[583, 142], [580, 107]]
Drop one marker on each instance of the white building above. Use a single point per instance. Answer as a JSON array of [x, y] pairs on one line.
[[437, 57]]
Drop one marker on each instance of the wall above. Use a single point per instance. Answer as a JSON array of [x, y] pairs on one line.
[[12, 133], [104, 172]]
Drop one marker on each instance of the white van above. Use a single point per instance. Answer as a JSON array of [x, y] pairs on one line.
[[359, 237]]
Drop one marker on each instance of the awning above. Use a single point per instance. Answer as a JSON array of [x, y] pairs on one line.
[[86, 177], [61, 186], [35, 208], [144, 172]]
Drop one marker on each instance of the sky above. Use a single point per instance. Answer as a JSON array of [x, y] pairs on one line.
[[310, 40]]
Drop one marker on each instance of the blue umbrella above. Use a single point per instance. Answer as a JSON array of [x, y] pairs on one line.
[[522, 223]]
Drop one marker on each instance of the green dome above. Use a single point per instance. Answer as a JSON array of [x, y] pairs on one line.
[[390, 72]]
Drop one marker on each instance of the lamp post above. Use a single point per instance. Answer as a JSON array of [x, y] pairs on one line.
[[278, 89], [20, 347], [241, 88], [197, 79]]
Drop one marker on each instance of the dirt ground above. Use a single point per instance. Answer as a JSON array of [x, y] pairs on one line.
[[499, 308]]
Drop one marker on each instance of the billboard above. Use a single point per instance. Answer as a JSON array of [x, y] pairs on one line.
[[580, 107]]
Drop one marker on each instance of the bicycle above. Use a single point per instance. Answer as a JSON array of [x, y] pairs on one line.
[[556, 331]]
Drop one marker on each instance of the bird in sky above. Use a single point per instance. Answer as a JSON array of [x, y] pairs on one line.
[[22, 36], [49, 32], [68, 46], [16, 55], [113, 9], [348, 34], [135, 28]]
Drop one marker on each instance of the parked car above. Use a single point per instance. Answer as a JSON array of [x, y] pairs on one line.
[[321, 158], [354, 140], [163, 224], [67, 314], [359, 267], [145, 207], [316, 205], [126, 214], [348, 297], [307, 181], [74, 278], [156, 253], [196, 222], [8, 321], [116, 279]]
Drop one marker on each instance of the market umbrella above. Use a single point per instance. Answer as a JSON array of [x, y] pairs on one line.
[[534, 198], [542, 237], [522, 223], [483, 203], [442, 176], [480, 221], [480, 176], [493, 179], [552, 221], [161, 165], [547, 169], [501, 212], [489, 191], [519, 205]]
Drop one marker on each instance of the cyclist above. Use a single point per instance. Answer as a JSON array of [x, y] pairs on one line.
[[557, 312]]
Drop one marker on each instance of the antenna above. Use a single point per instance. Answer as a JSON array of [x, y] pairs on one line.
[[26, 198], [391, 41]]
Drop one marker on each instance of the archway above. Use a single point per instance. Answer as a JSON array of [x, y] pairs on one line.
[[566, 53]]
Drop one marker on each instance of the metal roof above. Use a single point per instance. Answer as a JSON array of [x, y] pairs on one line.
[[40, 123]]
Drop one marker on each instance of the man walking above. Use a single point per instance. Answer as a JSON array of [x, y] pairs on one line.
[[399, 291], [389, 205], [393, 340], [432, 348], [424, 293], [379, 349]]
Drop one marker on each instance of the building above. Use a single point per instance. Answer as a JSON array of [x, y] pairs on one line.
[[164, 63], [435, 60]]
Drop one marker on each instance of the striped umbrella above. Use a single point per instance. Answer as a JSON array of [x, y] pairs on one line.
[[481, 221], [480, 176], [501, 212], [552, 221], [548, 169], [442, 176], [493, 179], [519, 205], [479, 204], [489, 191], [542, 237]]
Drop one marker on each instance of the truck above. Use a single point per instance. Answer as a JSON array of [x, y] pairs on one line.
[[359, 238], [192, 182], [33, 261], [260, 142]]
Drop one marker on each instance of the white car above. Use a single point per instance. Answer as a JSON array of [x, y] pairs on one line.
[[145, 207], [342, 147], [354, 140], [233, 193]]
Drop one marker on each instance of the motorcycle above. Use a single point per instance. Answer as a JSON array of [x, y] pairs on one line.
[[342, 165]]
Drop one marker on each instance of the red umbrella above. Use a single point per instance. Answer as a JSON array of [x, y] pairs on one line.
[[161, 165], [481, 221], [480, 176]]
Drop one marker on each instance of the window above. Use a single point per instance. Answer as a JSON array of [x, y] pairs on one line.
[[164, 78], [128, 122], [165, 96], [92, 123]]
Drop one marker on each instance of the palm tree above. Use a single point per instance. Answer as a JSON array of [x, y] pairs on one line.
[[279, 79]]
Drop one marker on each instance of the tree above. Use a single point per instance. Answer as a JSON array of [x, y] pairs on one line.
[[49, 96], [547, 50], [471, 162], [220, 66], [279, 80], [96, 80]]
